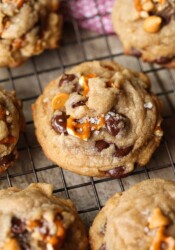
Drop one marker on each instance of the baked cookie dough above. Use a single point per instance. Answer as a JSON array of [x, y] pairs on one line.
[[147, 29], [98, 119], [11, 123], [35, 219], [27, 28], [142, 217]]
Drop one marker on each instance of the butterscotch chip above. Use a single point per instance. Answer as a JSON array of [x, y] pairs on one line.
[[98, 119], [147, 29], [158, 219], [39, 29], [152, 24], [124, 221], [34, 218]]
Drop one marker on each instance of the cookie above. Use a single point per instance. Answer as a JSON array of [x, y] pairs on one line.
[[147, 29], [27, 28], [35, 219], [142, 217], [11, 123], [98, 119]]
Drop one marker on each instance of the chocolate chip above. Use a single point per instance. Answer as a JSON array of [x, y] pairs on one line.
[[121, 152], [78, 88], [135, 52], [101, 144], [163, 60], [23, 240], [115, 123], [59, 123], [103, 247], [20, 233], [7, 159], [108, 84], [163, 246], [166, 14], [66, 78], [77, 104], [117, 172], [18, 226]]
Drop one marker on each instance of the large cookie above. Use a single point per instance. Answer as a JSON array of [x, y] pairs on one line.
[[142, 217], [98, 119], [27, 27], [11, 123], [35, 219], [147, 29]]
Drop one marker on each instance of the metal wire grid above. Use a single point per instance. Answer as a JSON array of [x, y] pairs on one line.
[[96, 185]]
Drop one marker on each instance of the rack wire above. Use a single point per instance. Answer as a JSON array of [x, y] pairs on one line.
[[89, 194]]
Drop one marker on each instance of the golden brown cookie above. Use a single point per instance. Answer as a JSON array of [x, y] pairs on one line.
[[142, 217], [35, 219], [98, 119], [27, 28], [11, 123], [147, 29]]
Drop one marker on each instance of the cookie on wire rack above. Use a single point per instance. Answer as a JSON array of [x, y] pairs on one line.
[[11, 124], [27, 28], [35, 219], [139, 218], [98, 119], [147, 29]]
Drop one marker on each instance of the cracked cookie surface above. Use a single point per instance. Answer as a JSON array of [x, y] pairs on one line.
[[27, 28], [35, 219], [139, 218], [11, 123], [147, 29], [98, 119]]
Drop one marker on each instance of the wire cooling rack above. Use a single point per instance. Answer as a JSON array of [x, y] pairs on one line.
[[89, 194]]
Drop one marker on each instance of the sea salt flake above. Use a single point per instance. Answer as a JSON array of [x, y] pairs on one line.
[[148, 105], [45, 100], [146, 229]]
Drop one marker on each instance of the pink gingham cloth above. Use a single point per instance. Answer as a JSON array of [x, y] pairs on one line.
[[86, 13]]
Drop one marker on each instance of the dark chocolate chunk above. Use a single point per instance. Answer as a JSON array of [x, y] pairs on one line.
[[166, 14], [101, 144], [163, 60], [77, 88], [77, 104], [135, 52], [18, 226], [7, 159], [23, 240], [108, 84], [117, 172], [115, 123], [66, 78], [103, 247], [121, 152], [59, 123], [20, 233]]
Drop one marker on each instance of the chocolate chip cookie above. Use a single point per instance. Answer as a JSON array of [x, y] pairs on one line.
[[27, 28], [147, 29], [142, 217], [35, 219], [98, 119], [11, 123]]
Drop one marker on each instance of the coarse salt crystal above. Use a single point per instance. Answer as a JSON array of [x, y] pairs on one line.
[[45, 100], [148, 105]]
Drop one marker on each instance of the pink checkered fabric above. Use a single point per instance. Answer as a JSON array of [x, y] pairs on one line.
[[86, 13]]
